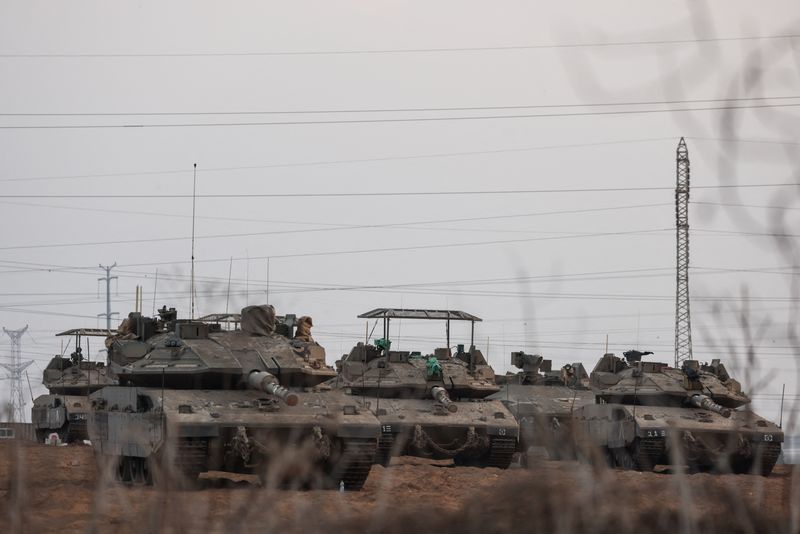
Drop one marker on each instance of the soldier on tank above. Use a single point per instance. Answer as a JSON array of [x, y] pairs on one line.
[[303, 332]]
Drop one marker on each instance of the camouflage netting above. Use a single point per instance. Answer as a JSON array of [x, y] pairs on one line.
[[258, 320]]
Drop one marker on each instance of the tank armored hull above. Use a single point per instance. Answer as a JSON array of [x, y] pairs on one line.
[[545, 415], [64, 415], [641, 437], [482, 433], [325, 440]]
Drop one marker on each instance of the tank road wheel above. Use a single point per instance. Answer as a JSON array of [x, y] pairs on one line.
[[624, 458], [610, 457], [352, 463], [124, 469], [140, 471]]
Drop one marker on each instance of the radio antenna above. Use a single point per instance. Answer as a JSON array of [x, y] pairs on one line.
[[155, 289], [228, 296], [194, 201]]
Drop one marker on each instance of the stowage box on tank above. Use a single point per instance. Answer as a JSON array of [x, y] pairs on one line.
[[195, 397], [433, 405], [649, 413]]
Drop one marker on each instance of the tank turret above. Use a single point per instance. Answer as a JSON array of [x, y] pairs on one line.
[[200, 354], [697, 415], [634, 381]]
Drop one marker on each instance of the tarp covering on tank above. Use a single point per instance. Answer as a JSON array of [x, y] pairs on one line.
[[258, 320]]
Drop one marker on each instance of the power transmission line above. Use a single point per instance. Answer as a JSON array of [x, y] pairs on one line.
[[404, 50], [329, 226], [734, 205], [388, 158], [424, 289], [389, 120], [304, 254], [564, 277], [393, 110], [394, 193], [563, 235], [341, 161]]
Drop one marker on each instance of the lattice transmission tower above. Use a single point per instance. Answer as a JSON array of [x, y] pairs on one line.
[[107, 279], [683, 320], [15, 370]]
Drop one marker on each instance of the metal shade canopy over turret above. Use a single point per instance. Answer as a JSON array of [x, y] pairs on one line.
[[435, 315]]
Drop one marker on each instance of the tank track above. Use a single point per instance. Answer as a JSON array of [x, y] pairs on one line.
[[501, 452], [191, 456], [76, 431], [647, 453], [384, 453], [354, 464], [769, 453]]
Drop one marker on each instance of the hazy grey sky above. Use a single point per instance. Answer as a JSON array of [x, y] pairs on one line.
[[568, 267]]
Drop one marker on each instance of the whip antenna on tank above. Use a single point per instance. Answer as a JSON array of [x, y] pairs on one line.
[[267, 279], [228, 295], [783, 393], [194, 202], [155, 289]]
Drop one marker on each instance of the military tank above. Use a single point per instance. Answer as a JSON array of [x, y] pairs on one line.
[[649, 413], [195, 397], [433, 405], [63, 411], [543, 402]]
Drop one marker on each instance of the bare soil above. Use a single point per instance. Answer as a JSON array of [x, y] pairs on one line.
[[60, 489]]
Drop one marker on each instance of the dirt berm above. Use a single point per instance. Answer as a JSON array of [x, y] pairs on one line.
[[58, 489]]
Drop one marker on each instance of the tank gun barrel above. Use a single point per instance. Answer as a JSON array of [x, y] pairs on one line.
[[266, 382], [705, 402], [440, 394]]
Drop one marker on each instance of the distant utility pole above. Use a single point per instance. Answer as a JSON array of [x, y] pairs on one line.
[[15, 369], [683, 321], [107, 278]]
